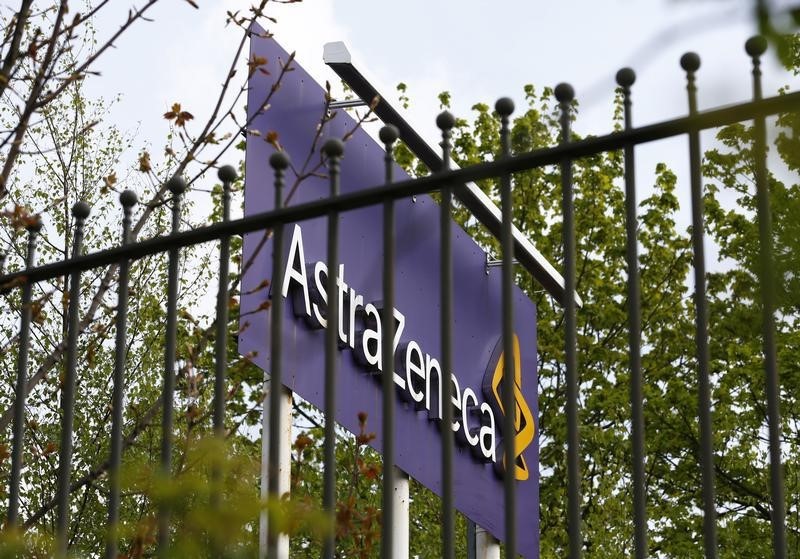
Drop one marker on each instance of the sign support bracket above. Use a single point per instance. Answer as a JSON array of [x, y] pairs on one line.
[[482, 207]]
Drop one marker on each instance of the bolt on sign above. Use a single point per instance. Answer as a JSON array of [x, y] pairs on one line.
[[291, 121]]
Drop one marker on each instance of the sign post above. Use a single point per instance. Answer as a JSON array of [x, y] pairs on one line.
[[284, 477], [401, 501], [486, 545]]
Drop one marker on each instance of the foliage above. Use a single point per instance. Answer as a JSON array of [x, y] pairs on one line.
[[668, 352], [55, 149]]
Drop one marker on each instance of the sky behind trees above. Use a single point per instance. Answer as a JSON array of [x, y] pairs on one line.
[[476, 50]]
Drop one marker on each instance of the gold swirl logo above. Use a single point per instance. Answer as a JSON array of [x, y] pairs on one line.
[[524, 427]]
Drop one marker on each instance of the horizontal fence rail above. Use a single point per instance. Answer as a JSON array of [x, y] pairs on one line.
[[445, 182], [405, 189]]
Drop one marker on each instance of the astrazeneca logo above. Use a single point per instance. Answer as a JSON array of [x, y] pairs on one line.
[[493, 389], [417, 375]]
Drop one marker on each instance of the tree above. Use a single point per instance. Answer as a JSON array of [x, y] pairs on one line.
[[56, 149], [673, 474]]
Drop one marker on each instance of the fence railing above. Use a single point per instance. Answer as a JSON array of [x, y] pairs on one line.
[[444, 181]]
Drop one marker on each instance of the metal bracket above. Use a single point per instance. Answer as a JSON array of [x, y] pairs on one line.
[[347, 104], [491, 263], [337, 57]]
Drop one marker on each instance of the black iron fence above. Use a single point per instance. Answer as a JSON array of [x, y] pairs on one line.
[[444, 181]]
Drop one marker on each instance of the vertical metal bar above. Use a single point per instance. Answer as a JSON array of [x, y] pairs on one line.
[[471, 539], [227, 175], [388, 135], [565, 94], [400, 483], [690, 62], [333, 149], [279, 162], [18, 442], [176, 186], [128, 199], [625, 79], [755, 47], [504, 108], [445, 121], [80, 212]]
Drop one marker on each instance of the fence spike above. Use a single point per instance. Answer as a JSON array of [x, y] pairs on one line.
[[333, 150], [690, 62], [176, 185], [227, 175], [625, 79], [504, 108], [128, 199], [20, 393], [279, 161], [445, 121], [564, 95], [755, 47], [80, 211]]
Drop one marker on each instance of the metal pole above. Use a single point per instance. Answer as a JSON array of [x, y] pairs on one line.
[[284, 468], [333, 149], [227, 175], [565, 94], [400, 492], [279, 398], [625, 79], [690, 62], [400, 510], [755, 47], [128, 199], [486, 545], [176, 186], [471, 539], [80, 211], [22, 379], [445, 121], [504, 108]]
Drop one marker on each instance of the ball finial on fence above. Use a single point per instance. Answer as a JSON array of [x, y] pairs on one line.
[[445, 120], [34, 224], [564, 92], [626, 77], [504, 106], [176, 184], [690, 62], [333, 147], [81, 210], [128, 198], [756, 46], [279, 160], [227, 174], [389, 134]]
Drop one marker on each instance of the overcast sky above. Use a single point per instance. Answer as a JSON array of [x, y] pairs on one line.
[[477, 50]]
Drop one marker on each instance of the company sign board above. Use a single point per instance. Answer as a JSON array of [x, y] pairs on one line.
[[294, 113]]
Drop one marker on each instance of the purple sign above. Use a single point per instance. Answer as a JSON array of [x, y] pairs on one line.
[[295, 112]]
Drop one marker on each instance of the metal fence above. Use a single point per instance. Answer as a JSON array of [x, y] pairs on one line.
[[444, 181]]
